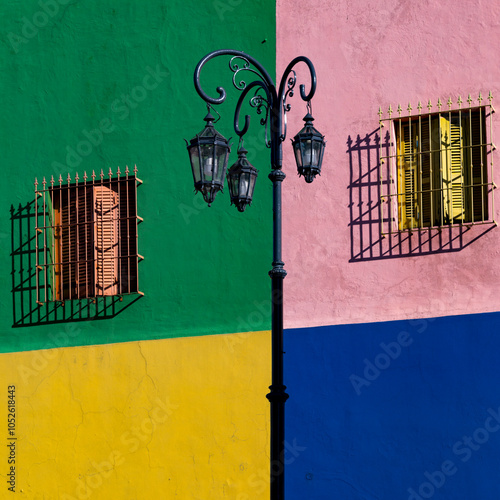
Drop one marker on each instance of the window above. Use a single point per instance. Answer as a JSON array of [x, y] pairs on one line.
[[86, 237], [437, 168]]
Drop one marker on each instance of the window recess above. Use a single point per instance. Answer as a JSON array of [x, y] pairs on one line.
[[86, 237], [437, 167]]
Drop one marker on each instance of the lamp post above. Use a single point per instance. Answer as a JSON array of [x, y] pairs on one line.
[[209, 152]]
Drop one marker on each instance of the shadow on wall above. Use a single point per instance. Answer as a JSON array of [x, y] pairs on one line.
[[370, 220], [26, 310]]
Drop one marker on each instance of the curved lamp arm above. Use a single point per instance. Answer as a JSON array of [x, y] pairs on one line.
[[287, 85], [274, 102], [289, 69], [235, 68], [257, 101]]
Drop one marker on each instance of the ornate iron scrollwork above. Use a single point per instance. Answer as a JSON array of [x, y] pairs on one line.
[[265, 99]]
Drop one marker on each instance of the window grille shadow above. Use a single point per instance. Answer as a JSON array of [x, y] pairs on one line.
[[370, 219], [25, 309]]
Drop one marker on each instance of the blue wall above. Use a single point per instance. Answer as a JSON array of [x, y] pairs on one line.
[[394, 410]]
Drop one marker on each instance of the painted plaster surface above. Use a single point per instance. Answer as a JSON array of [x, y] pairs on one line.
[[179, 418], [110, 84], [136, 400], [371, 54], [395, 410]]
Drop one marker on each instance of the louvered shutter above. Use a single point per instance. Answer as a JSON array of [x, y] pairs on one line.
[[106, 223], [452, 171], [457, 177], [91, 240], [408, 177], [68, 254], [52, 231], [84, 242], [72, 243], [70, 219]]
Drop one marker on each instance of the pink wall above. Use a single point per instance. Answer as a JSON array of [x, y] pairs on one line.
[[369, 54]]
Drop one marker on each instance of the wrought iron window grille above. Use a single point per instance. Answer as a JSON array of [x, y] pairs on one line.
[[436, 167], [86, 238]]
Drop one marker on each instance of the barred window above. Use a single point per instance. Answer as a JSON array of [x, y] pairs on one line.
[[86, 237], [437, 166]]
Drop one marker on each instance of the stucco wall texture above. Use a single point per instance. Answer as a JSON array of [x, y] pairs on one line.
[[109, 85], [369, 54], [404, 410], [174, 418], [144, 402]]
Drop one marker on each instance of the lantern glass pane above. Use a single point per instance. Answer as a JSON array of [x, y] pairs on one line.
[[244, 184], [308, 157], [252, 185], [298, 155], [232, 181], [207, 161], [220, 162], [316, 153], [195, 163]]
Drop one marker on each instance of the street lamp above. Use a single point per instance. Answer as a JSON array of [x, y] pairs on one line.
[[208, 153], [241, 181]]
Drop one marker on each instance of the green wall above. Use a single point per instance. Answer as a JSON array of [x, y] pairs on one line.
[[120, 74]]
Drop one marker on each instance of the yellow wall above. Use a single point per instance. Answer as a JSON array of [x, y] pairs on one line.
[[182, 418]]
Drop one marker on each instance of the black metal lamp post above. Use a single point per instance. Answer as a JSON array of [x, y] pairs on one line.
[[208, 154]]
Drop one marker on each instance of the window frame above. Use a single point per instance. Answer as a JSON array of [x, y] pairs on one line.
[[87, 237], [445, 196]]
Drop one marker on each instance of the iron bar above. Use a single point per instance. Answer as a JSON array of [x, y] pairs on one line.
[[36, 247], [119, 188], [61, 233], [465, 140], [73, 267], [87, 231], [129, 257]]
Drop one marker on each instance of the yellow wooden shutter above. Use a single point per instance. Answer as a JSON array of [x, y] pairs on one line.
[[106, 240], [408, 177], [457, 177], [452, 171]]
